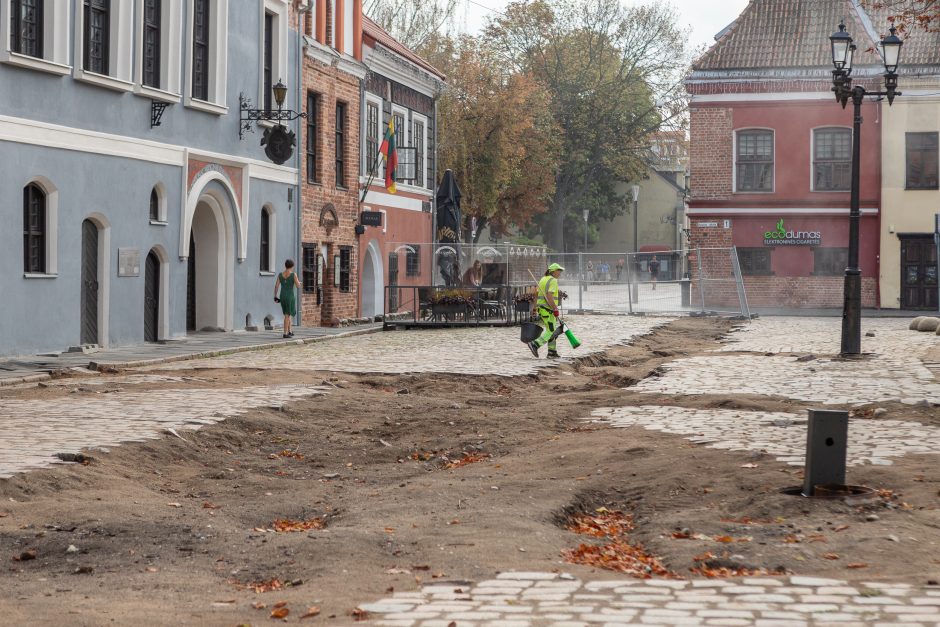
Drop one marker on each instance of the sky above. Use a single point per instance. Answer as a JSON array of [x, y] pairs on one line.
[[706, 17]]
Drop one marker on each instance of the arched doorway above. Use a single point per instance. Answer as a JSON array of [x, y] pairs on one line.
[[373, 289], [210, 272], [152, 297], [90, 283]]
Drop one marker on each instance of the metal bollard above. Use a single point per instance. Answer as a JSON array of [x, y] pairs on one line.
[[827, 437]]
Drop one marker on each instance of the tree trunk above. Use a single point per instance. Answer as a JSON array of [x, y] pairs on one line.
[[557, 239]]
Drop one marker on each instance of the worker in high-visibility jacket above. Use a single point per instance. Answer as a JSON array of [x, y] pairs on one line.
[[547, 308]]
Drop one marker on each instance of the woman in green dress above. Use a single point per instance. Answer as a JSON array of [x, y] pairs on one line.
[[287, 280]]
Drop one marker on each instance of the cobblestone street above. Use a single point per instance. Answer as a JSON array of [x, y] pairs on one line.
[[762, 359], [538, 598]]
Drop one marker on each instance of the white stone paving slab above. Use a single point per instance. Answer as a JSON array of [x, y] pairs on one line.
[[782, 435], [471, 351], [34, 431], [605, 604]]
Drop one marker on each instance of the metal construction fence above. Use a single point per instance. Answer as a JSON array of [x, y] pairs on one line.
[[443, 284], [702, 280]]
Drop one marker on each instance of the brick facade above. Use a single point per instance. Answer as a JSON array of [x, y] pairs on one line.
[[711, 152], [328, 304]]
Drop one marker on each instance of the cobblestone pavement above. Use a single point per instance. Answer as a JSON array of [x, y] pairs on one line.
[[102, 420], [524, 599], [893, 371], [472, 351], [782, 435]]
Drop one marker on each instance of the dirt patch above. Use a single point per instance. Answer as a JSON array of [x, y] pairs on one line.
[[425, 478]]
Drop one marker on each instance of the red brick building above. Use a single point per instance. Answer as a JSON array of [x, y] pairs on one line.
[[329, 145], [770, 153], [398, 83]]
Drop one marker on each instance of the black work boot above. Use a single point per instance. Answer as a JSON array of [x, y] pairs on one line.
[[553, 354], [534, 348]]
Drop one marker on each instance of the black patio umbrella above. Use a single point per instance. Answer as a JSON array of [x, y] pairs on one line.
[[448, 226]]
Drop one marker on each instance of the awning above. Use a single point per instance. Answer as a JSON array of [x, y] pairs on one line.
[[655, 248]]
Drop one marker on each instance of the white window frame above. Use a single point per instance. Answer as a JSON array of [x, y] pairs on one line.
[[272, 239], [734, 162], [52, 228], [417, 117], [171, 43], [120, 47], [812, 157], [218, 59], [380, 170], [161, 205], [55, 36], [279, 63]]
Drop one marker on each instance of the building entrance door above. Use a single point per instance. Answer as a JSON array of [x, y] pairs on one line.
[[918, 272], [152, 298], [89, 298]]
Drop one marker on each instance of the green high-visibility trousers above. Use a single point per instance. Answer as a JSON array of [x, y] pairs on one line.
[[549, 322]]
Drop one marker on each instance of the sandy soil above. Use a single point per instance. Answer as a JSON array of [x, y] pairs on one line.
[[166, 531]]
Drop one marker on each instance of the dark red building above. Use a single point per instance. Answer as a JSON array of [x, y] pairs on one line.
[[770, 154]]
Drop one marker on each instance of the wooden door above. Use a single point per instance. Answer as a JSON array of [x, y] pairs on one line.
[[152, 298], [89, 297], [918, 273]]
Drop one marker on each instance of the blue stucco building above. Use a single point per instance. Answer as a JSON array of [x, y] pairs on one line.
[[115, 231]]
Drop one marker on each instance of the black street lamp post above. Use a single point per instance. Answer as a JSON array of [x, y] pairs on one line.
[[843, 51]]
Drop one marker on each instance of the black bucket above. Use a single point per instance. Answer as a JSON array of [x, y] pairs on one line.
[[530, 332]]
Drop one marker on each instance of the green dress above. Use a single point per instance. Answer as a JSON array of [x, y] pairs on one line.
[[288, 294]]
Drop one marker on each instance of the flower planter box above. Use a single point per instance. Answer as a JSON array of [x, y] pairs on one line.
[[523, 307], [448, 311]]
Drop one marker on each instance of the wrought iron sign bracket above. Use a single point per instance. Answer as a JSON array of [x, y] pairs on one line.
[[156, 112], [249, 115]]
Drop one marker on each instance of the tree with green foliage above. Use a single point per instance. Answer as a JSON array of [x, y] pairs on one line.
[[496, 133], [614, 75]]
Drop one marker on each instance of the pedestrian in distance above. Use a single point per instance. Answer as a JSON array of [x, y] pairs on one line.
[[473, 277], [619, 268], [287, 280], [654, 270], [547, 309]]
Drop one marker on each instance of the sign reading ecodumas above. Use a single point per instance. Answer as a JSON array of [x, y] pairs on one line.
[[783, 237]]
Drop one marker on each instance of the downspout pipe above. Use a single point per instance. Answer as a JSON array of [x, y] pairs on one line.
[[302, 10]]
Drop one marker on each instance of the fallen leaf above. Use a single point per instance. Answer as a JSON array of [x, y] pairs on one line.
[[151, 569], [831, 556], [389, 530], [841, 528], [279, 604], [3, 514], [749, 465], [25, 556], [285, 525], [174, 504], [208, 505], [258, 605], [724, 539], [280, 612], [397, 571], [422, 567], [857, 565], [312, 611], [360, 614]]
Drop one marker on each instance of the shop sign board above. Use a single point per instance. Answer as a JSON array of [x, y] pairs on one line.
[[782, 236]]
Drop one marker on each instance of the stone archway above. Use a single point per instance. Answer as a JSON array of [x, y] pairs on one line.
[[372, 285]]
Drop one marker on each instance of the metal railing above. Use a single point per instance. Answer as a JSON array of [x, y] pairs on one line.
[[441, 306]]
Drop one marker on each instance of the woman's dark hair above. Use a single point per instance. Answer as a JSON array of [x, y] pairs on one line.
[[547, 272], [289, 263]]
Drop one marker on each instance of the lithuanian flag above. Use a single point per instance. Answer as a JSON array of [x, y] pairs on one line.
[[391, 155]]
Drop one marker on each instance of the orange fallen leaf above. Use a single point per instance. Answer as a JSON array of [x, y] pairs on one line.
[[279, 604], [831, 556], [311, 612], [857, 565], [285, 525], [389, 530], [280, 612], [725, 539], [360, 614], [818, 537], [208, 505]]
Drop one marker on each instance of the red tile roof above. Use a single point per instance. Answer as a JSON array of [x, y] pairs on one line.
[[795, 33], [373, 33]]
